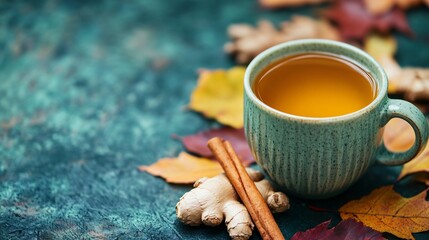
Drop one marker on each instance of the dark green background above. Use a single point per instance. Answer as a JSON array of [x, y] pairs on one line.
[[89, 90]]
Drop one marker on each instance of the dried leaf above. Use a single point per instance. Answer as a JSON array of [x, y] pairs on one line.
[[197, 143], [288, 3], [386, 211], [382, 6], [248, 41], [346, 229], [219, 95], [412, 82], [355, 21], [185, 169]]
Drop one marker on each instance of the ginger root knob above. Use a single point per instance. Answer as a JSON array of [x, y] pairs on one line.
[[214, 200]]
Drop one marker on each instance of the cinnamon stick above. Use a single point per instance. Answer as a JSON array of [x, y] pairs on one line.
[[246, 189]]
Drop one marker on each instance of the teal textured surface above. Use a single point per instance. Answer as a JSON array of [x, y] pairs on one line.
[[89, 90]]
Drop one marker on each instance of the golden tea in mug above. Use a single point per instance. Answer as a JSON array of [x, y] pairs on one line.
[[314, 85]]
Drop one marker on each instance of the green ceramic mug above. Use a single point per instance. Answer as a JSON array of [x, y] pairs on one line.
[[321, 157]]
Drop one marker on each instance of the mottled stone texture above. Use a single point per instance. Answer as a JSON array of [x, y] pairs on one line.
[[89, 90]]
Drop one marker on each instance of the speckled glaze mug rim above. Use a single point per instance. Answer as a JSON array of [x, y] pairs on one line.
[[382, 83]]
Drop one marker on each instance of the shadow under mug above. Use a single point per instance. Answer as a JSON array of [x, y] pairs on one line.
[[321, 157]]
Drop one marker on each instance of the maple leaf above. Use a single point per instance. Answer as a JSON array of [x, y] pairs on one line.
[[355, 21], [185, 169], [197, 143], [288, 3], [219, 95], [346, 229], [248, 41], [386, 211]]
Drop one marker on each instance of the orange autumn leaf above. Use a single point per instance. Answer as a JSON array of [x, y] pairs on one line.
[[219, 95], [288, 3], [185, 169], [383, 6], [387, 211]]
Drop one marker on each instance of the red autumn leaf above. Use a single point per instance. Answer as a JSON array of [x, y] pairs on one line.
[[346, 229], [355, 21], [197, 143]]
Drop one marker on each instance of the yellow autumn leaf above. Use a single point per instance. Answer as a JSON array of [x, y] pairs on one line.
[[380, 46], [410, 81], [184, 169], [387, 211], [219, 95], [383, 48]]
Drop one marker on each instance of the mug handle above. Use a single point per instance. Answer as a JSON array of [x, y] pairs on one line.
[[396, 108]]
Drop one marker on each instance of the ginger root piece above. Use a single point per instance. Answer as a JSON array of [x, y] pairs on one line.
[[214, 199], [248, 41]]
